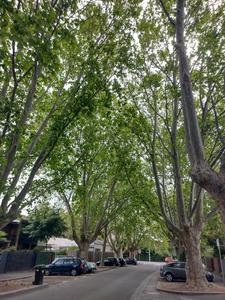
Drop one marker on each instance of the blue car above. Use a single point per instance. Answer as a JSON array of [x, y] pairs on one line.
[[131, 261], [66, 265]]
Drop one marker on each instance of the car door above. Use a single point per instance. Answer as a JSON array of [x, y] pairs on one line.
[[57, 266], [67, 266], [179, 270], [183, 267]]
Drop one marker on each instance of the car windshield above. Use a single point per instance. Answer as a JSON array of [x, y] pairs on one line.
[[56, 260], [65, 260]]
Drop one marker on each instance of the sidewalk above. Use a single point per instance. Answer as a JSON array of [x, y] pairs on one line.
[[30, 273], [16, 275], [20, 282]]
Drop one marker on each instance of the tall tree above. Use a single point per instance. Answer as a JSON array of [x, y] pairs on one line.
[[155, 93], [88, 170], [55, 58], [203, 172]]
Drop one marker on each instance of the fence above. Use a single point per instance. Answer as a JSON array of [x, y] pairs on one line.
[[23, 260], [213, 264], [26, 259]]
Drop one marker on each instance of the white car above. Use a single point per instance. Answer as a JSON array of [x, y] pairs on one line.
[[91, 266]]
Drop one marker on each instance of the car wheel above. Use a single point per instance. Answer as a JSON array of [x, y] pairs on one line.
[[74, 272], [169, 277], [209, 279], [47, 273]]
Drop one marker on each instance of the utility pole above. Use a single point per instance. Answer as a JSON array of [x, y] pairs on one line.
[[221, 264]]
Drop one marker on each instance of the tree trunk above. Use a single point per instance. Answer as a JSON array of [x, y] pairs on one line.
[[18, 235], [117, 253], [132, 253], [83, 249], [213, 183], [196, 279], [104, 246], [121, 252]]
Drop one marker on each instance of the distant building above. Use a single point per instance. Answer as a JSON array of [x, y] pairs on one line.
[[63, 243]]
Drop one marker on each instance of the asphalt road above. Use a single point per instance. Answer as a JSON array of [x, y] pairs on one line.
[[126, 283]]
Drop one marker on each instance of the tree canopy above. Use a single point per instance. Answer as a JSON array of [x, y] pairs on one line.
[[105, 103]]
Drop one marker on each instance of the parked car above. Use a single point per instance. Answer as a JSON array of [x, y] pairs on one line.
[[91, 266], [66, 265], [85, 266], [115, 261], [176, 271], [131, 261], [106, 263], [122, 261], [109, 261]]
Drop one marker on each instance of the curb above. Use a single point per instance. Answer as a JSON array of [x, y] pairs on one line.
[[138, 292], [23, 291], [187, 292]]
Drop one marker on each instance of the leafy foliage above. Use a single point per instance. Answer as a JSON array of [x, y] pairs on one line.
[[44, 223]]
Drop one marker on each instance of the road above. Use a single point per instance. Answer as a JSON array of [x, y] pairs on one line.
[[126, 283]]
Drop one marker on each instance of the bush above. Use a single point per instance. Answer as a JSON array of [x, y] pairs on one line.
[[10, 249], [62, 252]]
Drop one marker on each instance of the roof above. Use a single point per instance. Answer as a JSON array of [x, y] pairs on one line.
[[61, 243]]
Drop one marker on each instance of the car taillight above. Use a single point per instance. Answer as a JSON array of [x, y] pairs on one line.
[[82, 266]]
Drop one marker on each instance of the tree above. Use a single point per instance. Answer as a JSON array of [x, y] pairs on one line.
[[56, 57], [155, 93], [44, 223], [93, 187], [134, 224], [202, 171]]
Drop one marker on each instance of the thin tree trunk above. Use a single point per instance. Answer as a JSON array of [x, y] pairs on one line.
[[18, 235], [104, 246]]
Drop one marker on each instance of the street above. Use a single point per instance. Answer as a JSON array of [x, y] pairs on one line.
[[126, 283]]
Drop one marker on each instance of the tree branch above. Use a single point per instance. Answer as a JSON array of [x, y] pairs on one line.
[[171, 20]]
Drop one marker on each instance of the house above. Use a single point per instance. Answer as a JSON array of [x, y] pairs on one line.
[[63, 243], [15, 237]]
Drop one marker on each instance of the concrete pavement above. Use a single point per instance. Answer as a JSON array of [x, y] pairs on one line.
[[115, 284], [16, 275]]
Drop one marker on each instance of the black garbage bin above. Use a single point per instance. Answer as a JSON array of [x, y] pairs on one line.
[[38, 275]]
